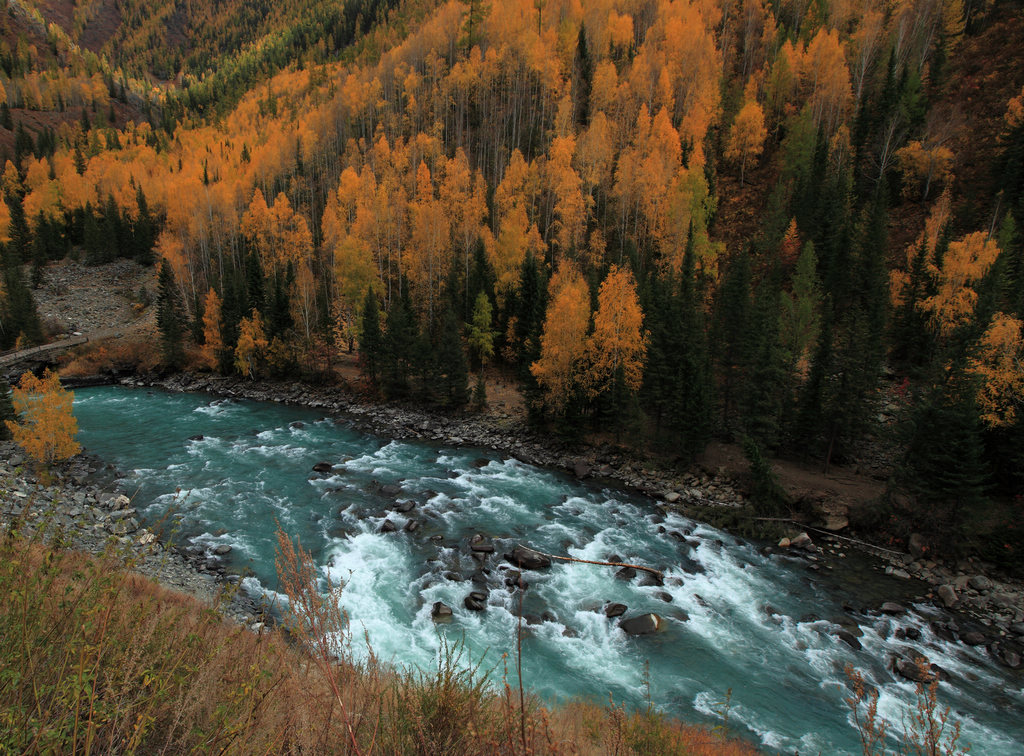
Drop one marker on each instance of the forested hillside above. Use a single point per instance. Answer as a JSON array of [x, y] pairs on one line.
[[669, 220]]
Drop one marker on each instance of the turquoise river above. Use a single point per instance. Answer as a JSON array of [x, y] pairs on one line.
[[227, 472]]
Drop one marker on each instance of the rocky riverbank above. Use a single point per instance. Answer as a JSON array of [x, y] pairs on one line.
[[77, 507], [986, 609]]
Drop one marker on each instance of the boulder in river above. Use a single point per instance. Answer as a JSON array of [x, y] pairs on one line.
[[476, 601], [918, 670], [849, 639], [644, 624], [649, 579], [626, 573], [614, 610], [388, 527], [528, 559], [892, 608], [441, 612], [412, 526], [222, 550], [323, 467], [581, 470], [480, 545]]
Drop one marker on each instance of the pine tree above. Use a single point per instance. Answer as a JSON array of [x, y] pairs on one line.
[[19, 319], [21, 236], [732, 331], [144, 231], [451, 359], [531, 305], [583, 75], [400, 349], [6, 410], [763, 395], [944, 467], [169, 318], [371, 341]]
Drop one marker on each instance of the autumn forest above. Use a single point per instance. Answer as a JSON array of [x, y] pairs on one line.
[[666, 221]]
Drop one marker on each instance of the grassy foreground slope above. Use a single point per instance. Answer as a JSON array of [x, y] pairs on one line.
[[96, 659]]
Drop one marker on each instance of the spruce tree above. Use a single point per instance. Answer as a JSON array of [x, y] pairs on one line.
[[169, 318], [371, 341], [453, 388], [6, 409], [944, 467], [400, 349], [18, 231], [583, 75], [762, 399], [18, 316], [732, 331]]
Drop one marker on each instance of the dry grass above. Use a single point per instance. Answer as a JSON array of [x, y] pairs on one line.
[[95, 659]]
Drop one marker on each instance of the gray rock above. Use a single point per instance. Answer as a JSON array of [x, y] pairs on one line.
[[980, 583], [849, 639], [626, 573], [412, 526], [476, 601], [644, 624], [441, 612], [893, 609], [973, 638], [672, 497], [801, 541], [947, 594], [528, 559], [614, 610], [388, 527], [222, 550]]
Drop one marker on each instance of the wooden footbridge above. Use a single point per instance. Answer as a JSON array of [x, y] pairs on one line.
[[36, 352]]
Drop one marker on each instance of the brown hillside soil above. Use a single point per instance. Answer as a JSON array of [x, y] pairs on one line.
[[987, 71]]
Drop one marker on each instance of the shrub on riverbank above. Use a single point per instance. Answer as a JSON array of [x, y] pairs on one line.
[[95, 659]]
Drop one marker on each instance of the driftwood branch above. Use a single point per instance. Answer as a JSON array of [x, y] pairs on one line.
[[656, 573], [829, 533]]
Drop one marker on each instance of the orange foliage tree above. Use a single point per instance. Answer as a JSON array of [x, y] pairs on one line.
[[746, 137], [213, 345], [999, 364], [617, 348], [965, 264], [48, 427], [563, 341], [252, 344]]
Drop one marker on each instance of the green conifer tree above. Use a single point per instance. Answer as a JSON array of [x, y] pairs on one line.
[[170, 318], [451, 358], [371, 341]]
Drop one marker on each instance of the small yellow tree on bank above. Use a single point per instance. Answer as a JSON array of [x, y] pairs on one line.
[[47, 428]]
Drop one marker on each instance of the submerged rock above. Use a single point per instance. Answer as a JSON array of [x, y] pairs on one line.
[[322, 467], [614, 610], [892, 608]]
